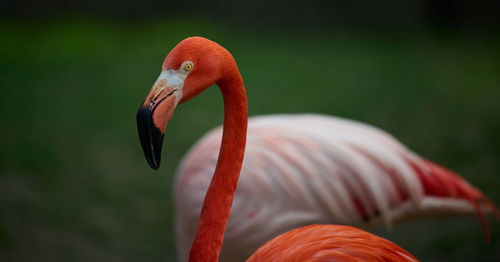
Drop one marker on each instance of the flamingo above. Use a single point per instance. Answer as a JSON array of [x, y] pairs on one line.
[[195, 64]]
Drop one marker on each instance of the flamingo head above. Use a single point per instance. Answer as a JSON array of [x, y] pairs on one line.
[[191, 67]]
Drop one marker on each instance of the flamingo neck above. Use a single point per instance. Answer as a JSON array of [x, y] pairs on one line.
[[214, 215]]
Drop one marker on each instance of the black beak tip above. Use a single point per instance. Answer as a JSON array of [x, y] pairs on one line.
[[151, 137], [153, 164]]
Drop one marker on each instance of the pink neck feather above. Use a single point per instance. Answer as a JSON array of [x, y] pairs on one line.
[[207, 242]]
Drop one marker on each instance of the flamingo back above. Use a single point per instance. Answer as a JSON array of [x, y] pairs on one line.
[[313, 169]]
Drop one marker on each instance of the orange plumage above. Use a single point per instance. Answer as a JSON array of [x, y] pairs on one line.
[[316, 243]]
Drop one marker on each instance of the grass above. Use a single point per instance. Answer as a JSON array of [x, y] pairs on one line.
[[75, 186]]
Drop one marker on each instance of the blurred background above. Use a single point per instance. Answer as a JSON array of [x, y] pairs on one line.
[[74, 184]]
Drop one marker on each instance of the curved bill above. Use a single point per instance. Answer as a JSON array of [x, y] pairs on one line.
[[152, 119]]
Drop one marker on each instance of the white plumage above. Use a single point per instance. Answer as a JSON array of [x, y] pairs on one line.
[[307, 169]]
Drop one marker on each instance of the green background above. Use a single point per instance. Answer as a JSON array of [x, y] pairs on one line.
[[74, 184]]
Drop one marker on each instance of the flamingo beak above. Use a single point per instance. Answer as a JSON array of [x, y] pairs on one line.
[[152, 119]]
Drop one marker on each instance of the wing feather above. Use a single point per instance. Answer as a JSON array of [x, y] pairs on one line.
[[313, 169]]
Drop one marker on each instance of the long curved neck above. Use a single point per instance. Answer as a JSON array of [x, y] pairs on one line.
[[214, 215]]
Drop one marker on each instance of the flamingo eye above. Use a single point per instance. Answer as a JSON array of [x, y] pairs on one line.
[[188, 66]]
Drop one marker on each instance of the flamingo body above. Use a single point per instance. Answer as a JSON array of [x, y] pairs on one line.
[[314, 169], [319, 243]]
